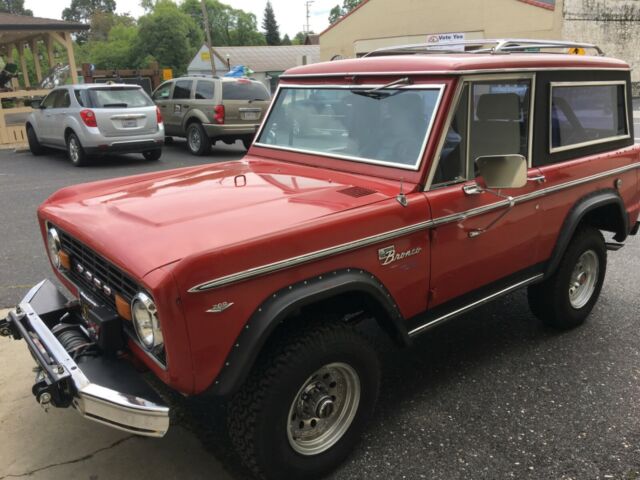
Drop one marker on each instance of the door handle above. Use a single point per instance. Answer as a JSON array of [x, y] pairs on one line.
[[537, 179]]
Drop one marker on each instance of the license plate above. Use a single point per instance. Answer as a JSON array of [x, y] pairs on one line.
[[129, 123], [250, 115]]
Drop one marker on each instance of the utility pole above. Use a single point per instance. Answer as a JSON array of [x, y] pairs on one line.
[[308, 4], [208, 32]]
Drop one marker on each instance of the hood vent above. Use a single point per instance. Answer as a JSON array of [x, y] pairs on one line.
[[357, 192]]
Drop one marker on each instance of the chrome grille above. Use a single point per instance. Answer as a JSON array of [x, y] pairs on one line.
[[106, 272]]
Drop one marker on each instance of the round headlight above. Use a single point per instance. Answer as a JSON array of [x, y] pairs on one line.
[[145, 320], [54, 247]]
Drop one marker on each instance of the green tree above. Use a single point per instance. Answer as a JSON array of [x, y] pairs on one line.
[[300, 38], [286, 40], [103, 22], [168, 35], [270, 26], [337, 12], [83, 10], [14, 6], [229, 26]]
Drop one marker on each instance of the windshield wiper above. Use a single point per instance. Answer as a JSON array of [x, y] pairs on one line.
[[377, 92]]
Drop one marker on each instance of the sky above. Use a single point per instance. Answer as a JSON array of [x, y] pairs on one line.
[[290, 14]]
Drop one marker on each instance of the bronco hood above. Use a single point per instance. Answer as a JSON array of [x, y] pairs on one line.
[[143, 222]]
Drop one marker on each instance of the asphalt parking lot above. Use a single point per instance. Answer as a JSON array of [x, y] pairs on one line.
[[492, 395]]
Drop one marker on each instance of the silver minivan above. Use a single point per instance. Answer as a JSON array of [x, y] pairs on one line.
[[94, 119]]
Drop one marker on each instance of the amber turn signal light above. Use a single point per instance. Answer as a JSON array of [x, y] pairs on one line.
[[65, 260], [123, 308]]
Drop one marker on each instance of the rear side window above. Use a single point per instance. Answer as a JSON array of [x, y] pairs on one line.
[[182, 90], [244, 90], [118, 98], [204, 90], [585, 114]]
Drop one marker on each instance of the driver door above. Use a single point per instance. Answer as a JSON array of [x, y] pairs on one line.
[[480, 240], [45, 117]]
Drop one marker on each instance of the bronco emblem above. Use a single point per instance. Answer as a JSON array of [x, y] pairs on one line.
[[388, 254]]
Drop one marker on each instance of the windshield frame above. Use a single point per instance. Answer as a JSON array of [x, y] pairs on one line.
[[439, 87]]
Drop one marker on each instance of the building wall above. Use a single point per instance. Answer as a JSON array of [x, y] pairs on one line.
[[611, 24], [410, 21]]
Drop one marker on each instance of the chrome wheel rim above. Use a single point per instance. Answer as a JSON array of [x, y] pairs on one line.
[[194, 139], [323, 409], [584, 279], [74, 150]]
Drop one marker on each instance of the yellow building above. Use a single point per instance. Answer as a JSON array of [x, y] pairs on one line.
[[383, 23]]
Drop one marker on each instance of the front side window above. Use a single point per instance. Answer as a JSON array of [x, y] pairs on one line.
[[586, 114], [182, 90], [492, 118], [163, 92], [50, 99], [388, 127]]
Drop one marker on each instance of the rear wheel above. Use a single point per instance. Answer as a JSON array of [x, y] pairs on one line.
[[566, 298], [75, 152], [306, 403], [34, 144], [152, 155], [197, 139]]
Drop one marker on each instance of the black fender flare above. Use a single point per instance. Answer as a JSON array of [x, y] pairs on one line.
[[286, 301], [576, 215]]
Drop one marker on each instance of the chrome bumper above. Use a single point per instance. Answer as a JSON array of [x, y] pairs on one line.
[[100, 389]]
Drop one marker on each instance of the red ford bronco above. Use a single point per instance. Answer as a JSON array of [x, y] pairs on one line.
[[405, 188]]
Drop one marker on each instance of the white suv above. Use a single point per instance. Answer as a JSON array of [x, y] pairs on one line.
[[96, 119]]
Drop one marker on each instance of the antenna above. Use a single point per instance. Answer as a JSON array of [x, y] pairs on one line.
[[308, 4]]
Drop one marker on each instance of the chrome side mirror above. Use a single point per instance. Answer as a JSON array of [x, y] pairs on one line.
[[503, 171]]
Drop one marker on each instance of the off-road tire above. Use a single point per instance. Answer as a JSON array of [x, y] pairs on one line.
[[198, 141], [152, 155], [75, 152], [550, 300], [258, 416], [34, 144]]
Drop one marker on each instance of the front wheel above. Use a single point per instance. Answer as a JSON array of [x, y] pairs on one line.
[[152, 155], [306, 403], [34, 144], [197, 139], [75, 152], [566, 298]]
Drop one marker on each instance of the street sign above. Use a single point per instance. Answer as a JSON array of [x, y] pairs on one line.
[[576, 51]]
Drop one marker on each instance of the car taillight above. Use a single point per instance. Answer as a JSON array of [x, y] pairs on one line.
[[89, 118], [158, 116], [219, 114]]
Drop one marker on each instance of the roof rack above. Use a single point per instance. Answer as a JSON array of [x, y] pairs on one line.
[[493, 46]]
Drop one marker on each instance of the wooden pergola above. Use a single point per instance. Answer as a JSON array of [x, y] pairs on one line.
[[18, 32]]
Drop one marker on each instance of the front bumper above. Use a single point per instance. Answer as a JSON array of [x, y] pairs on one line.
[[106, 390]]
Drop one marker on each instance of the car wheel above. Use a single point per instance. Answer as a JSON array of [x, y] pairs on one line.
[[168, 140], [75, 152], [197, 139], [152, 155], [566, 298], [306, 403], [34, 144]]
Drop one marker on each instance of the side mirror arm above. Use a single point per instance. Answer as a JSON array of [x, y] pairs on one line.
[[476, 189]]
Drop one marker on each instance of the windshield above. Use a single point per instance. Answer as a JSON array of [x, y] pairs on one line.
[[118, 97], [386, 126]]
